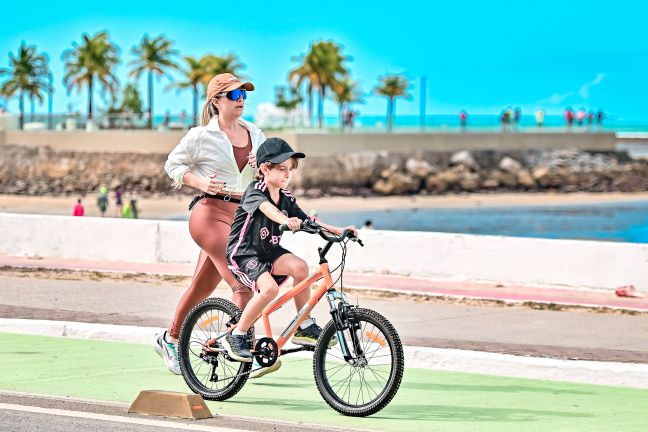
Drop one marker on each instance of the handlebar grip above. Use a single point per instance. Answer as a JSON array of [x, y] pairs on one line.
[[284, 227]]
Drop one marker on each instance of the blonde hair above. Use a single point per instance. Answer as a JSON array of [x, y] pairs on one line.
[[208, 112], [270, 165]]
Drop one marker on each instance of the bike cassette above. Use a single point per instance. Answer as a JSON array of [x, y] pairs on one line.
[[266, 352]]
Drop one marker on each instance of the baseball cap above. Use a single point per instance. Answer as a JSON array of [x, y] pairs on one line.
[[276, 150], [225, 82]]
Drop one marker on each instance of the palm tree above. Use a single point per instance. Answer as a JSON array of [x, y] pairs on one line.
[[215, 65], [392, 87], [92, 62], [299, 75], [321, 67], [154, 56], [28, 75], [195, 74], [346, 91]]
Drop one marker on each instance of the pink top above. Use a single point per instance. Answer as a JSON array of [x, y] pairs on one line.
[[78, 210]]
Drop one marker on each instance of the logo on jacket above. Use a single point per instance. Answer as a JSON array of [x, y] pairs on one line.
[[252, 264], [264, 233]]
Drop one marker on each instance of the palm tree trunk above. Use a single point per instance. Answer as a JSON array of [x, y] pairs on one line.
[[21, 107], [320, 106], [310, 104], [390, 113], [195, 105], [150, 94], [90, 86], [33, 108]]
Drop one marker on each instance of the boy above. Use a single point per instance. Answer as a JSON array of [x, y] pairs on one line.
[[253, 250]]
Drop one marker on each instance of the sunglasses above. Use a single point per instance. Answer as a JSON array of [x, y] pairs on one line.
[[234, 95]]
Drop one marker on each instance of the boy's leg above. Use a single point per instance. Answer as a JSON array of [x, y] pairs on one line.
[[292, 265], [236, 342]]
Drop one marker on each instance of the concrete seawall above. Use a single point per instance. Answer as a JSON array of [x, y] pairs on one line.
[[590, 264], [322, 144]]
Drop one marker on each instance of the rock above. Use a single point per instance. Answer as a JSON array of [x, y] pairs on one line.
[[510, 165], [464, 158], [525, 179], [396, 184], [387, 172], [470, 182], [435, 183], [419, 168], [490, 183]]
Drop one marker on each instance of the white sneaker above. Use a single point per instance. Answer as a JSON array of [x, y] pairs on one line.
[[168, 352], [264, 371]]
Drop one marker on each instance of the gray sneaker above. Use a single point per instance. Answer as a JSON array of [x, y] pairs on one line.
[[168, 352], [237, 347]]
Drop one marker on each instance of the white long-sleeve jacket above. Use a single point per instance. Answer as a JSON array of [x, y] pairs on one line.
[[206, 150]]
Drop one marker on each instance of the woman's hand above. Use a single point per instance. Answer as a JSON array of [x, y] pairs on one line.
[[252, 160], [211, 185]]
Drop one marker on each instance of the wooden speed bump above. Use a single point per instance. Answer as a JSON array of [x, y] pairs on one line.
[[170, 404]]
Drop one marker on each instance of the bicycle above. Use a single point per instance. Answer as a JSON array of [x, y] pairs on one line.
[[358, 360]]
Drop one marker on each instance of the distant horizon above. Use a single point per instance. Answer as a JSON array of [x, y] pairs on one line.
[[475, 56]]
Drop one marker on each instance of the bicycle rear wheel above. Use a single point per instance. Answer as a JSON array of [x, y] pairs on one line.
[[369, 381], [206, 369]]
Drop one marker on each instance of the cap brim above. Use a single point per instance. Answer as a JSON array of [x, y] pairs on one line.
[[285, 156], [244, 85]]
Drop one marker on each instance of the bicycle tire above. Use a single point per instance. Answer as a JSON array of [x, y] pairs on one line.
[[188, 357], [391, 340]]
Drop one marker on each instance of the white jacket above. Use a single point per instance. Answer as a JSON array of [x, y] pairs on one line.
[[206, 150]]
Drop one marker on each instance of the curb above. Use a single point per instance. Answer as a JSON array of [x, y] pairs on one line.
[[438, 359]]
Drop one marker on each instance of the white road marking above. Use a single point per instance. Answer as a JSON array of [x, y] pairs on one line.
[[117, 419]]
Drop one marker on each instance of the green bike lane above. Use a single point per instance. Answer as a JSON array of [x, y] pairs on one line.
[[427, 400]]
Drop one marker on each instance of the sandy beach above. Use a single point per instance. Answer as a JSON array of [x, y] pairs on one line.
[[176, 206]]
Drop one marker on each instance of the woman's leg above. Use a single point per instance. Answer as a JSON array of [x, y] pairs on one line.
[[204, 281]]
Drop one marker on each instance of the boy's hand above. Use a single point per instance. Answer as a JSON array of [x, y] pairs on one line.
[[294, 223], [351, 228]]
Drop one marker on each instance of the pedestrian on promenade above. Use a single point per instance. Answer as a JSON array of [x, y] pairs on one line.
[[580, 116], [569, 117], [253, 250], [539, 118], [78, 209], [119, 204], [218, 159], [599, 118], [102, 200], [517, 116], [133, 205], [463, 119]]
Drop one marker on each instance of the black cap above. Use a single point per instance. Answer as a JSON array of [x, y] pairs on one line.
[[276, 150]]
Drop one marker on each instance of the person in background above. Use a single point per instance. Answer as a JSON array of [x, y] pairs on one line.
[[119, 203], [463, 119], [590, 118], [78, 209], [569, 117], [517, 116], [368, 224], [102, 200], [133, 205], [539, 118], [599, 118], [580, 116]]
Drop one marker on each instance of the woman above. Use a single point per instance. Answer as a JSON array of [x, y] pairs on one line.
[[217, 159]]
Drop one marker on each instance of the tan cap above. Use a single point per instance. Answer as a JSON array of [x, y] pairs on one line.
[[225, 82]]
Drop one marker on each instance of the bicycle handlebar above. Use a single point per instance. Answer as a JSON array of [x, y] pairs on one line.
[[313, 227]]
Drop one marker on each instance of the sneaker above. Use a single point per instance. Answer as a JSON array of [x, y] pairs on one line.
[[258, 373], [237, 347], [309, 336], [168, 352]]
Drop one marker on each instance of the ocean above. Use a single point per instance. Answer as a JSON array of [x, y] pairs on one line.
[[617, 222]]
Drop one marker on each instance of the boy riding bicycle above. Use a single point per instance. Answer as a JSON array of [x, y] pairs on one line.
[[253, 251]]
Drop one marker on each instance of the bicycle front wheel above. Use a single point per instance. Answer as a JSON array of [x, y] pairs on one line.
[[370, 379], [206, 368]]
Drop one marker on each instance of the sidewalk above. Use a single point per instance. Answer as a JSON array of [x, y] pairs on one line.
[[540, 296]]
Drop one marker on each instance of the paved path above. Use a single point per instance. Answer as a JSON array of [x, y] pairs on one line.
[[540, 296]]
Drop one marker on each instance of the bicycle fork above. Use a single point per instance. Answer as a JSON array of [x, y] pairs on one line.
[[339, 307]]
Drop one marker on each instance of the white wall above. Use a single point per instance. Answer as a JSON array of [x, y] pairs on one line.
[[436, 255]]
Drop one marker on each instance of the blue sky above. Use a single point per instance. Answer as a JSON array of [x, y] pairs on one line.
[[476, 55]]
